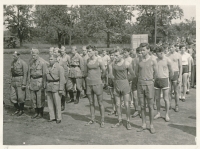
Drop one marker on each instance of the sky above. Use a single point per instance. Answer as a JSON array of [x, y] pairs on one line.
[[189, 11]]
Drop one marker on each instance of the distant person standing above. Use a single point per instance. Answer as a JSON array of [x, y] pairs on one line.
[[75, 75], [106, 60], [19, 70], [36, 74], [54, 84]]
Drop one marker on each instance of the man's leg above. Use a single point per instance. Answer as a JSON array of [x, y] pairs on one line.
[[92, 108], [51, 106], [21, 99], [113, 102], [79, 84], [34, 101], [69, 87], [136, 105], [166, 99], [176, 93], [40, 102], [127, 107], [185, 78], [101, 108], [13, 99], [57, 103], [157, 97]]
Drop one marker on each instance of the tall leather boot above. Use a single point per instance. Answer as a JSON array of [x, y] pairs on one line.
[[36, 113], [71, 95], [77, 97], [40, 113], [21, 109], [62, 103], [17, 107]]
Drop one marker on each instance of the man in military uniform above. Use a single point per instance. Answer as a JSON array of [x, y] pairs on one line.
[[54, 84], [75, 75], [19, 71], [64, 61], [85, 58], [36, 74]]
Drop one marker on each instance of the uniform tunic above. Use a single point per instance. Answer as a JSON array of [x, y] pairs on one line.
[[19, 70], [54, 82], [36, 74]]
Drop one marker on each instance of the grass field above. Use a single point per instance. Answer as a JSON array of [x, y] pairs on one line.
[[181, 130]]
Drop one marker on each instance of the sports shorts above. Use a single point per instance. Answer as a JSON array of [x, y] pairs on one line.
[[146, 91], [121, 87], [161, 83], [134, 84], [185, 69], [110, 83], [94, 89], [175, 76]]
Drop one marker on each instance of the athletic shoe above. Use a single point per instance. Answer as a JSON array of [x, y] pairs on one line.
[[90, 123], [102, 125], [117, 125], [128, 125], [136, 113], [157, 116], [183, 99], [152, 130], [167, 119], [142, 129], [112, 113], [176, 109]]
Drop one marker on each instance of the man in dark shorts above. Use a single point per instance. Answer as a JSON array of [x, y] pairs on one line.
[[85, 58], [122, 87], [162, 81], [146, 71], [111, 83], [94, 85], [176, 79]]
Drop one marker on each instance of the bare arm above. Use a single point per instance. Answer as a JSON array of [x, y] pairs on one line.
[[169, 64], [155, 69], [137, 68], [102, 66], [130, 68], [180, 66]]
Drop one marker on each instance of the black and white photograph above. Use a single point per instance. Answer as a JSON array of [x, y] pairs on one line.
[[99, 74]]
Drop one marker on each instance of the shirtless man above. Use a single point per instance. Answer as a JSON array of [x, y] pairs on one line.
[[146, 71], [176, 79], [122, 87], [162, 81]]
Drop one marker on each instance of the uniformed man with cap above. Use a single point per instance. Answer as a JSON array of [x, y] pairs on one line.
[[19, 70], [75, 75], [54, 84], [36, 74], [64, 61]]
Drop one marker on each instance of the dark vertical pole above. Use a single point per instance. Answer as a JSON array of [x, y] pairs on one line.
[[155, 25]]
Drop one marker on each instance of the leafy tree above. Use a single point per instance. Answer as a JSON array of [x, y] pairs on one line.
[[17, 19], [108, 18], [58, 19], [164, 13]]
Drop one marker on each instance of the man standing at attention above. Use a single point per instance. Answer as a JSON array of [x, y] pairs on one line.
[[106, 60], [122, 87], [176, 79], [75, 75], [146, 71], [162, 82], [94, 84], [64, 62], [54, 84], [19, 71], [36, 74]]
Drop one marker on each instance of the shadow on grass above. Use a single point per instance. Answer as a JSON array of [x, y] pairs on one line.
[[86, 118], [192, 117], [187, 129]]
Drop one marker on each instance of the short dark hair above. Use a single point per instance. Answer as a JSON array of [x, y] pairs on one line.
[[159, 49], [145, 45], [182, 45], [126, 49], [138, 49], [111, 51], [152, 48]]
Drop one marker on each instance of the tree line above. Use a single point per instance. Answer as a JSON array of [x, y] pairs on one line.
[[82, 24]]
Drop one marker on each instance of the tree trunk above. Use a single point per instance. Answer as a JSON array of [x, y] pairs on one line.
[[108, 39], [59, 39], [20, 42], [64, 41], [70, 39]]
